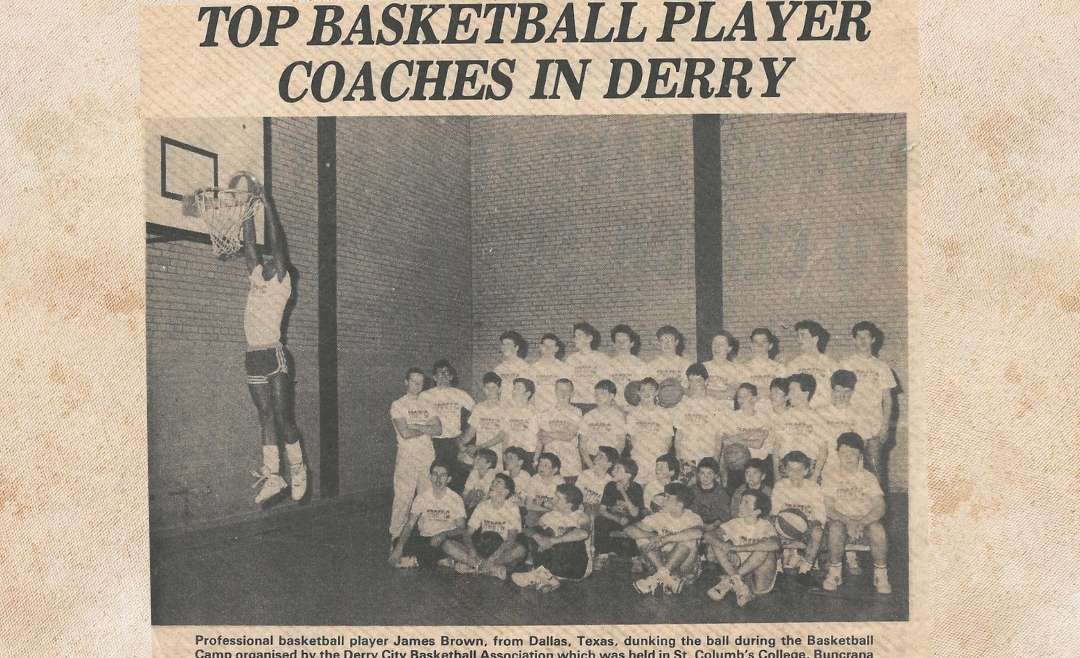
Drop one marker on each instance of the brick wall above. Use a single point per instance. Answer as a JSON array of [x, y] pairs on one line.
[[814, 217], [581, 218], [203, 430], [404, 285]]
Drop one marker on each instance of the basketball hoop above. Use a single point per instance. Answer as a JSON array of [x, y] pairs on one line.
[[225, 209]]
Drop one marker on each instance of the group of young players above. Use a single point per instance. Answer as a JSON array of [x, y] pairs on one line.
[[751, 465]]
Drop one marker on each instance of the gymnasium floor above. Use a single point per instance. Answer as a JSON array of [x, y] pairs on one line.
[[326, 565]]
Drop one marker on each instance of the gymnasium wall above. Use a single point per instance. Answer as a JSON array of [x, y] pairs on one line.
[[581, 218], [195, 347], [814, 217], [404, 282]]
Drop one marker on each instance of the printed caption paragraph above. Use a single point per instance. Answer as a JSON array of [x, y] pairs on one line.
[[728, 645]]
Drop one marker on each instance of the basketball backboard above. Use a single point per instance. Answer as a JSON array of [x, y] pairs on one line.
[[183, 155]]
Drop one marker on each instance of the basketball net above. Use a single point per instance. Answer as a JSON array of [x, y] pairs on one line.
[[225, 210]]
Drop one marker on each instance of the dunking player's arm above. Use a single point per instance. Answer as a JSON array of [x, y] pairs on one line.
[[278, 262]]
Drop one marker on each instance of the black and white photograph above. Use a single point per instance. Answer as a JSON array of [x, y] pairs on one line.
[[527, 370]]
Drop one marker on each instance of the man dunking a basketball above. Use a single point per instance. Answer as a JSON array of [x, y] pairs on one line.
[[267, 360]]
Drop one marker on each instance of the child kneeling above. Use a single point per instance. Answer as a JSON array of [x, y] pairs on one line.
[[491, 544], [745, 548], [559, 544]]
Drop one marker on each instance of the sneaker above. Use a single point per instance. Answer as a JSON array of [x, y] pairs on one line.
[[672, 583], [408, 562], [298, 480], [465, 569], [498, 571], [804, 566], [743, 595], [548, 581], [271, 484], [720, 589], [852, 559], [528, 578], [601, 561], [881, 580], [447, 562], [648, 584], [834, 578]]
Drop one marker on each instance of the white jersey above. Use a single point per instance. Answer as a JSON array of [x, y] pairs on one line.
[[821, 367], [697, 423], [760, 371], [521, 427], [544, 373], [561, 523], [563, 418], [838, 420], [509, 369], [586, 369], [502, 519], [724, 379], [808, 499], [603, 426], [852, 493], [477, 482], [742, 531], [751, 430], [667, 366], [800, 428], [651, 432], [437, 513], [873, 378], [592, 485], [265, 308], [521, 484], [542, 492], [664, 523], [489, 418], [414, 411], [623, 369], [448, 402]]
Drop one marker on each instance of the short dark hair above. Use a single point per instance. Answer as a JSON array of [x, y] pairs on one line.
[[817, 331], [444, 363], [607, 385], [594, 342], [680, 342], [709, 463], [762, 503], [670, 460], [528, 384], [805, 381], [415, 371], [556, 463], [684, 493], [774, 343], [507, 480], [843, 379], [876, 334], [489, 455], [797, 456], [564, 380], [560, 347], [572, 495], [519, 340], [756, 462], [697, 369], [852, 440], [649, 381], [630, 466], [438, 464], [745, 385], [635, 339], [518, 451], [733, 345], [491, 378], [780, 383], [611, 453]]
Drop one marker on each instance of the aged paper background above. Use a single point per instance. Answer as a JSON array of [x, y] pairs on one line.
[[994, 293]]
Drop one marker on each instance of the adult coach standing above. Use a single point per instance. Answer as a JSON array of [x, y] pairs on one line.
[[267, 361]]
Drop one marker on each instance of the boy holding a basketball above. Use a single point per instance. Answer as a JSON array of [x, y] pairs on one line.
[[799, 505], [745, 548], [854, 505], [669, 541]]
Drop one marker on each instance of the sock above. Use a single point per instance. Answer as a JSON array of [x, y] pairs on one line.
[[836, 565], [271, 458], [881, 567], [294, 453]]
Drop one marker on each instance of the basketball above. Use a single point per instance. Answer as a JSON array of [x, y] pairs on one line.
[[793, 524], [632, 393], [486, 543], [735, 456], [671, 392]]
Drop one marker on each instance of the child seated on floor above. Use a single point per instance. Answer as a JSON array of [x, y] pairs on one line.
[[480, 478], [753, 480], [667, 469], [669, 541], [540, 494], [796, 491], [436, 515], [745, 547], [491, 543], [621, 506], [559, 543], [594, 479]]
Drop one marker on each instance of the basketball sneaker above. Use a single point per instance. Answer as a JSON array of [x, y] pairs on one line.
[[834, 578], [881, 580], [672, 584], [648, 584], [852, 559], [742, 592], [298, 480], [270, 484], [446, 562], [465, 569], [720, 589], [408, 562], [534, 578]]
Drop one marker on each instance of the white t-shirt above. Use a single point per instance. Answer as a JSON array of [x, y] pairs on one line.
[[448, 403], [603, 426], [414, 411], [808, 499], [521, 484], [563, 418], [751, 430], [852, 493], [744, 532], [698, 424], [838, 420], [623, 369], [873, 378], [561, 523], [592, 485], [821, 367], [542, 492], [760, 371], [653, 489], [521, 427], [651, 431], [544, 374], [437, 513], [265, 308], [489, 418], [800, 428], [500, 519], [587, 368], [509, 369], [475, 481], [665, 524], [724, 378], [668, 366]]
